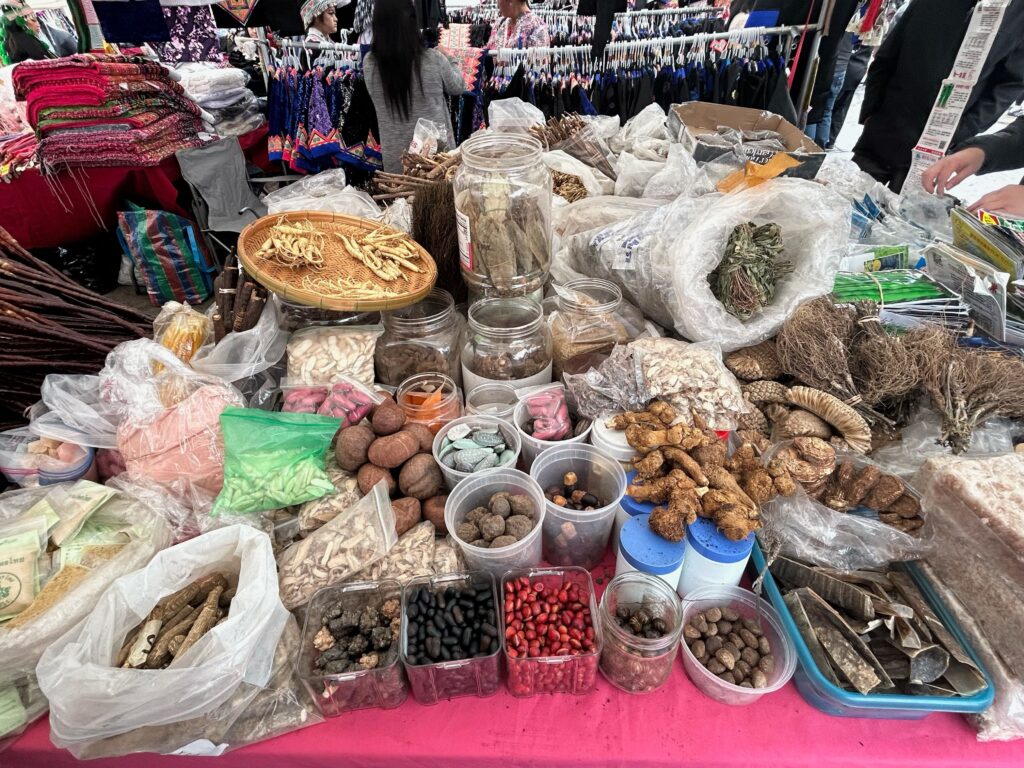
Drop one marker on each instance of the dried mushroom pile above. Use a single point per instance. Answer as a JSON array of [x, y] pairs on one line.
[[874, 632], [686, 469]]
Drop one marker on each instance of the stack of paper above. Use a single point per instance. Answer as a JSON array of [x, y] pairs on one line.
[[907, 298]]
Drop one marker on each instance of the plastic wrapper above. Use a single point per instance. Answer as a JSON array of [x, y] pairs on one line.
[[345, 399], [428, 138], [331, 195], [679, 176], [613, 386], [320, 355], [398, 215], [649, 148], [589, 148], [921, 440], [605, 126], [634, 175], [594, 182], [29, 460], [145, 530], [318, 512], [242, 355], [411, 557], [848, 180], [183, 708], [182, 330], [72, 409], [355, 539], [592, 213], [109, 464], [20, 704], [928, 213], [649, 123], [513, 116], [448, 557], [273, 460]]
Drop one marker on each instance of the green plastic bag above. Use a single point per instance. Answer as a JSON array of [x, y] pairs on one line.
[[273, 460]]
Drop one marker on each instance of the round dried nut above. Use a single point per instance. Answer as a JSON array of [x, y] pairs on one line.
[[741, 670], [387, 418], [468, 532], [407, 514], [728, 677], [698, 648], [726, 656], [482, 543], [522, 505], [352, 447], [701, 623], [758, 679], [518, 526], [712, 630], [713, 615], [492, 526], [763, 646], [713, 644], [750, 656], [724, 627], [752, 627], [690, 632], [394, 450], [746, 684], [499, 505], [477, 514], [370, 474], [767, 664], [433, 510], [422, 433], [728, 614], [715, 667], [420, 477], [748, 638], [503, 541]]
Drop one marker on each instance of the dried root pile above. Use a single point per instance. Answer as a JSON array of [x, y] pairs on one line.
[[746, 278], [568, 187], [297, 244], [419, 174]]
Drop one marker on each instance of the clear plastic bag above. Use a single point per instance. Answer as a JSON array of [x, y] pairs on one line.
[[73, 410], [147, 531], [410, 558], [595, 183], [648, 123], [244, 354], [318, 512], [327, 191], [605, 126], [182, 330], [28, 460], [142, 709], [593, 213], [322, 354], [513, 116], [679, 176], [613, 386], [589, 148], [815, 225], [634, 175], [428, 138], [352, 541]]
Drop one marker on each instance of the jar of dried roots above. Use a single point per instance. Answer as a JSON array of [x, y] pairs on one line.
[[424, 337], [508, 340]]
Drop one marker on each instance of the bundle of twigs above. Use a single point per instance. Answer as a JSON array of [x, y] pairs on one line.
[[558, 129], [967, 386], [50, 324], [240, 301], [420, 173]]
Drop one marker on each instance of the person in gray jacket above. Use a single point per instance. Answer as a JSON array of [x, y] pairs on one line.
[[1000, 151], [406, 81]]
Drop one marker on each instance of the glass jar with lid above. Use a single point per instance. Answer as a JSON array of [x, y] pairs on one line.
[[508, 340], [424, 337], [590, 320], [295, 316], [503, 210]]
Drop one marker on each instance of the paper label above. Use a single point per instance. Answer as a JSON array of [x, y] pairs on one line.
[[465, 240]]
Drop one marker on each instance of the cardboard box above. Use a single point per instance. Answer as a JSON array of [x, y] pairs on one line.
[[689, 121]]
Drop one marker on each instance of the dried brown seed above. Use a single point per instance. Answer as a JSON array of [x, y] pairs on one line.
[[758, 679], [726, 656], [713, 615]]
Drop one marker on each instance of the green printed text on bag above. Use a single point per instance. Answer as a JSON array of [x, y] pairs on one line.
[[273, 460]]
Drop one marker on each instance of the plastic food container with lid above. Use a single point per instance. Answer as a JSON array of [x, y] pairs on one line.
[[384, 686], [613, 442], [533, 447], [628, 507], [480, 676], [577, 537], [431, 399], [528, 676], [496, 399], [748, 606], [631, 663], [641, 549], [453, 476], [711, 559], [476, 491]]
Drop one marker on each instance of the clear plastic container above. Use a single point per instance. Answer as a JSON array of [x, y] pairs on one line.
[[476, 491], [554, 674], [431, 399], [479, 676], [494, 399], [636, 664], [424, 337], [31, 469], [532, 447], [453, 477], [748, 606], [507, 341], [574, 537], [384, 686], [628, 508], [613, 442], [503, 210]]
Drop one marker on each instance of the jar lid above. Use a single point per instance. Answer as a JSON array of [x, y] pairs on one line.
[[631, 506], [647, 551], [611, 441], [704, 537]]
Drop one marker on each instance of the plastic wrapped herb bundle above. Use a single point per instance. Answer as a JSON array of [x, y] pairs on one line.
[[745, 279], [503, 209]]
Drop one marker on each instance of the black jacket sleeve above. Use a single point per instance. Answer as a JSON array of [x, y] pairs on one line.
[[1004, 150], [1002, 89], [883, 66]]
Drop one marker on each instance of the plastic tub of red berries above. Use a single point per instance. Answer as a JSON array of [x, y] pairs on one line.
[[451, 641], [349, 658], [551, 634]]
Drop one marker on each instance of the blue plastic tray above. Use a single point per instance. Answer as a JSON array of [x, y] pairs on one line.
[[822, 694]]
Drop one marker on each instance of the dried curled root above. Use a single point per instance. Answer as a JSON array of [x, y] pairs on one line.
[[658, 490], [650, 465], [658, 414], [644, 439]]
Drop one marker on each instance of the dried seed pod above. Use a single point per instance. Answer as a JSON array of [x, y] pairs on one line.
[[753, 419], [726, 657], [760, 361]]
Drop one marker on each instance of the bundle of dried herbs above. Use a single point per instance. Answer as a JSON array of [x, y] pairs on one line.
[[569, 187], [746, 278]]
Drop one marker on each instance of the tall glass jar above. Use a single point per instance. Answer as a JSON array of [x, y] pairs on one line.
[[508, 340], [503, 210], [421, 338], [586, 321]]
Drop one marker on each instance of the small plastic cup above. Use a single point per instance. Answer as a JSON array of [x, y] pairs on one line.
[[748, 606], [532, 447], [574, 537], [476, 491], [453, 477], [492, 399]]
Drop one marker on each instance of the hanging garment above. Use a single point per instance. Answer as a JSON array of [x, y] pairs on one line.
[[193, 36], [132, 21]]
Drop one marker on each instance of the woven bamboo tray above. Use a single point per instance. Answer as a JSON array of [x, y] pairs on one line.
[[288, 282]]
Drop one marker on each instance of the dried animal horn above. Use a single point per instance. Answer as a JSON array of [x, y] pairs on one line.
[[766, 392], [800, 423], [843, 418]]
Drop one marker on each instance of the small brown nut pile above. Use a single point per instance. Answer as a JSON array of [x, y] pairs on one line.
[[506, 519], [731, 647], [351, 639]]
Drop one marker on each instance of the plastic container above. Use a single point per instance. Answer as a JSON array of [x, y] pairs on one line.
[[711, 559], [503, 211], [418, 397], [613, 442], [494, 399], [476, 491], [480, 676], [29, 470], [532, 447], [641, 549], [384, 687], [748, 606], [453, 477], [507, 341], [574, 537], [554, 674], [636, 664], [628, 508], [424, 337], [823, 695]]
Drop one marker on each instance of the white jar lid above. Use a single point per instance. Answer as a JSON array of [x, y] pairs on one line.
[[611, 441]]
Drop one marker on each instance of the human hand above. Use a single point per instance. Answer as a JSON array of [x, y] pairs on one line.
[[951, 170], [1009, 199]]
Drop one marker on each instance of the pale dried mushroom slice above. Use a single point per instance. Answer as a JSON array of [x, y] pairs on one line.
[[801, 423], [760, 361], [846, 421], [766, 392]]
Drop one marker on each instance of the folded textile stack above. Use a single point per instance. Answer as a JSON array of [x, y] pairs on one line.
[[105, 110], [222, 94]]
